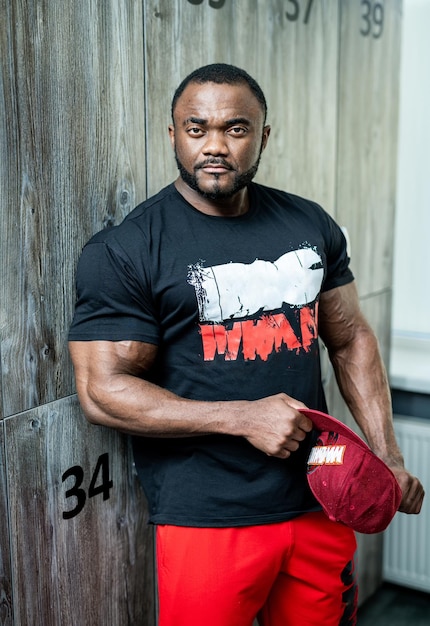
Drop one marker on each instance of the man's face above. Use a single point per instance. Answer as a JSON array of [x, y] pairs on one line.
[[218, 136]]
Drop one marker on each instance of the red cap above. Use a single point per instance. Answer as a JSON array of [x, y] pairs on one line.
[[351, 483]]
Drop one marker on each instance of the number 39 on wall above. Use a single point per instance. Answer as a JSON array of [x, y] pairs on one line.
[[100, 483], [372, 16]]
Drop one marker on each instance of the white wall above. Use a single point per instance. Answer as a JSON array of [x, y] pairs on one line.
[[410, 360]]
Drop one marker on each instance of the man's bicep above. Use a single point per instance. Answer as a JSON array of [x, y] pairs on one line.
[[98, 359], [107, 374]]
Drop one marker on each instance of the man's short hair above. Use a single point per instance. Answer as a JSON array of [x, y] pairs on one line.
[[221, 73]]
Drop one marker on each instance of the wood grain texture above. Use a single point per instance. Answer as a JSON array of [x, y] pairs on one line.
[[72, 160], [6, 608], [96, 567], [294, 62], [367, 147]]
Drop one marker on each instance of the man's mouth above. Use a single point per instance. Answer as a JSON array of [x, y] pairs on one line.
[[215, 167]]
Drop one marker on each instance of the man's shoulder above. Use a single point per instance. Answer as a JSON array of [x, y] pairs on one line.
[[284, 197], [133, 224], [153, 202]]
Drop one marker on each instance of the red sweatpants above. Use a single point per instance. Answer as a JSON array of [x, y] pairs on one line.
[[296, 573]]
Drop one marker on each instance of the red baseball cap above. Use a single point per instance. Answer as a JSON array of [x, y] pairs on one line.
[[351, 483]]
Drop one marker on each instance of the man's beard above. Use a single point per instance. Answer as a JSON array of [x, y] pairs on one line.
[[239, 182]]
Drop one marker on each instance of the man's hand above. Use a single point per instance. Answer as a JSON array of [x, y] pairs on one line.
[[275, 426], [412, 490]]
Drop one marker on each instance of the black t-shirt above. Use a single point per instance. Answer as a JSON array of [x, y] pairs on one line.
[[232, 304]]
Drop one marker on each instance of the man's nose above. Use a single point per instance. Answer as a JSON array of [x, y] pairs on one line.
[[215, 144]]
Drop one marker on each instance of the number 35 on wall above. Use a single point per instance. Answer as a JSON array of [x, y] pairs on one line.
[[100, 484]]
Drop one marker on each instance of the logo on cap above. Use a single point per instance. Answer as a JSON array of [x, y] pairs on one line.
[[326, 455]]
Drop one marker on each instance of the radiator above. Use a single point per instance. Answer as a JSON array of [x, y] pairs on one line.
[[406, 556]]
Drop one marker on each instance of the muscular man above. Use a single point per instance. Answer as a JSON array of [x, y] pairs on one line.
[[196, 331]]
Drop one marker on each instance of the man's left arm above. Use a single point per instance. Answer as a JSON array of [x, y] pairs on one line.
[[361, 375]]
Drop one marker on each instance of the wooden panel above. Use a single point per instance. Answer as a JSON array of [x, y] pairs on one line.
[[81, 549], [293, 57], [367, 153], [369, 554], [71, 159], [6, 609], [366, 169]]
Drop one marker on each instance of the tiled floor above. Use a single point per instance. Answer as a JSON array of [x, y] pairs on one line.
[[396, 606]]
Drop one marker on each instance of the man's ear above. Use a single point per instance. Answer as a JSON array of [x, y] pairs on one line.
[[266, 133], [172, 135]]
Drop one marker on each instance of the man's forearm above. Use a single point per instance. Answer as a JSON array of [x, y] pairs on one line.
[[136, 406], [113, 391], [363, 382]]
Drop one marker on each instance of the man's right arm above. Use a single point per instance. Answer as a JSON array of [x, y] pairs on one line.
[[113, 391]]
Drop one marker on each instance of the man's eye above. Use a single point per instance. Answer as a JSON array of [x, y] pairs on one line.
[[237, 130], [194, 131]]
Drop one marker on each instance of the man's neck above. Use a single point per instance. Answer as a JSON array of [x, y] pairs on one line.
[[236, 205]]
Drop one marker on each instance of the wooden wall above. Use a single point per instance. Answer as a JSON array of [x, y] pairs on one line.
[[72, 159], [369, 63], [85, 103]]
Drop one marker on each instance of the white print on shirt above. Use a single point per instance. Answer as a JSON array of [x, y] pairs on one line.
[[236, 290]]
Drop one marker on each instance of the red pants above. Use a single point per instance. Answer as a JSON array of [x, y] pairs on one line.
[[296, 573]]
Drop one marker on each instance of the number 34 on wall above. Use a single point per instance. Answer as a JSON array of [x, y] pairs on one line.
[[100, 484]]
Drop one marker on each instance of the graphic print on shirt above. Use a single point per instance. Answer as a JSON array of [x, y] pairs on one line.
[[253, 294]]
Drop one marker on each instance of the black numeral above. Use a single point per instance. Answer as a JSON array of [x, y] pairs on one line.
[[378, 18], [105, 484], [215, 4], [100, 484], [294, 14], [372, 19], [75, 491]]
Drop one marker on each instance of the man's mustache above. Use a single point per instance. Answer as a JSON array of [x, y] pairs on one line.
[[214, 161]]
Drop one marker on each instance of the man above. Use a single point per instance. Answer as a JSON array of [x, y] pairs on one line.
[[196, 331]]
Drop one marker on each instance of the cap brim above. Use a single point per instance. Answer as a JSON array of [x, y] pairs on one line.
[[326, 423]]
